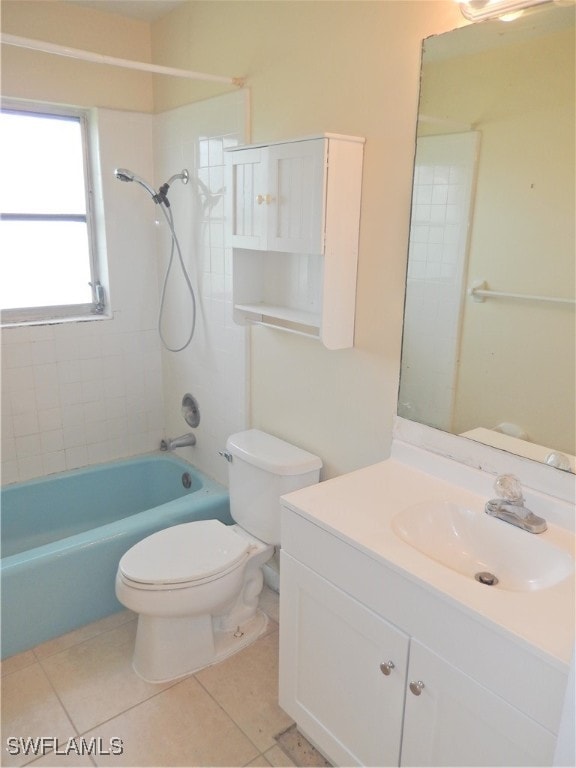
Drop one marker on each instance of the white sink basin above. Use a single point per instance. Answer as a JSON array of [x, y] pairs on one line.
[[472, 543]]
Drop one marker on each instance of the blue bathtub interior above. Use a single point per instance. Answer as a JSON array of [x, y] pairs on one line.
[[63, 536]]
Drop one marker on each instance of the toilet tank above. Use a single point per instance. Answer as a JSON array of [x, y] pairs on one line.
[[262, 468]]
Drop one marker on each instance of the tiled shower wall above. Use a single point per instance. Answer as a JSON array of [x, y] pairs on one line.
[[214, 367], [81, 393]]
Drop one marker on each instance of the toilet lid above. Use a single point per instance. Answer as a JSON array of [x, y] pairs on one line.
[[184, 553]]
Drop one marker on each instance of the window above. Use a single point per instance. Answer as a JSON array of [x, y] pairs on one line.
[[47, 259]]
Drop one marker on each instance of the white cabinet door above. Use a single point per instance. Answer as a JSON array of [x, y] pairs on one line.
[[277, 200], [454, 721], [247, 180], [295, 203], [331, 682]]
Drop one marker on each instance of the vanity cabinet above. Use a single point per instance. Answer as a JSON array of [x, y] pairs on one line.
[[293, 224], [454, 720], [368, 691], [342, 670]]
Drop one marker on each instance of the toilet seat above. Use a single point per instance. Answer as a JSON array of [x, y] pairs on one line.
[[184, 555]]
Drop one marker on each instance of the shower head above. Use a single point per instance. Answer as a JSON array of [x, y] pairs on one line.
[[123, 174]]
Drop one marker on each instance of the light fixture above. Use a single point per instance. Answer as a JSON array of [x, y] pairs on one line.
[[477, 10]]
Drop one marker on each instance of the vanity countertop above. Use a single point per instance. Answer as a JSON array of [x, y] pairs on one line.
[[359, 507]]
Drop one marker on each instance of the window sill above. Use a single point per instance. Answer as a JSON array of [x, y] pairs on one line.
[[18, 318]]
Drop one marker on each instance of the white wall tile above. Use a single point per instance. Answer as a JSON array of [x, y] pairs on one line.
[[54, 462], [25, 423], [52, 441], [16, 355]]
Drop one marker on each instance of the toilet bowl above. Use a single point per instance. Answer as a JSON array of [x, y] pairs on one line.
[[196, 586]]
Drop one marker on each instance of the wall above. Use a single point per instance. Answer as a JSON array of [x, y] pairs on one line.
[[349, 67], [32, 75], [346, 67]]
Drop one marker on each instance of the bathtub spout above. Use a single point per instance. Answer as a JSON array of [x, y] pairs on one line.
[[178, 442]]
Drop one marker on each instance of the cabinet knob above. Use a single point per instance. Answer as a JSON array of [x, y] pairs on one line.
[[416, 687], [386, 667], [263, 199]]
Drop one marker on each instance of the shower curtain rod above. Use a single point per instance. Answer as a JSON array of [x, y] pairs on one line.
[[98, 58]]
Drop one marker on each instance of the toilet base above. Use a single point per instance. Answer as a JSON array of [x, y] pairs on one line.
[[168, 649]]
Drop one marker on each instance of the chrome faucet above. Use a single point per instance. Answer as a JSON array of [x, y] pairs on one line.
[[510, 506], [178, 442]]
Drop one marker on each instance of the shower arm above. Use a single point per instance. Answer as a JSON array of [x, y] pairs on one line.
[[161, 197]]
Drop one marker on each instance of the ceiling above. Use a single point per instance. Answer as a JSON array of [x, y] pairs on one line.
[[146, 10]]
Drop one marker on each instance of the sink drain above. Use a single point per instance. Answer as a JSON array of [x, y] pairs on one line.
[[485, 577]]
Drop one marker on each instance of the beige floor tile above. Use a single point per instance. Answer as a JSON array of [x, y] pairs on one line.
[[54, 760], [16, 662], [30, 709], [258, 762], [246, 686], [180, 726], [95, 680], [50, 647], [278, 758]]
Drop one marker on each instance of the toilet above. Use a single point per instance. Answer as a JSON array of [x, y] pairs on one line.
[[196, 586]]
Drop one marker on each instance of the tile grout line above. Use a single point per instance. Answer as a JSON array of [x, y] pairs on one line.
[[62, 704], [39, 659], [84, 640], [68, 716], [229, 716]]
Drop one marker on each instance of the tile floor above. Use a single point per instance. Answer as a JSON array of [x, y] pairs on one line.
[[82, 685]]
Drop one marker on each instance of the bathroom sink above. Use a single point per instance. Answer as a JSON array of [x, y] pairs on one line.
[[475, 545]]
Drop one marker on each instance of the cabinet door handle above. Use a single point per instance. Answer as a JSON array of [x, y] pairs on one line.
[[386, 667], [416, 687], [263, 199]]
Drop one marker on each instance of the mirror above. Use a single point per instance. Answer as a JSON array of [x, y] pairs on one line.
[[488, 349]]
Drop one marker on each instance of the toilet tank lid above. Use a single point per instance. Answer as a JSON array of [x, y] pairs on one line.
[[271, 454]]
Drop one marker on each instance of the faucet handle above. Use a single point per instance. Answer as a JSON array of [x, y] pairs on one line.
[[508, 487]]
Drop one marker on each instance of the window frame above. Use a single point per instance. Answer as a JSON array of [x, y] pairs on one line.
[[61, 312]]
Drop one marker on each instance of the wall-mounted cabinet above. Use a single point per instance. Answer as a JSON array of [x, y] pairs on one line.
[[294, 214]]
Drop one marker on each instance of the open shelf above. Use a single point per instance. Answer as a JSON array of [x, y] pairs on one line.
[[287, 314]]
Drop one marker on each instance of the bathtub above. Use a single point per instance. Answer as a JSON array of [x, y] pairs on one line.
[[63, 535]]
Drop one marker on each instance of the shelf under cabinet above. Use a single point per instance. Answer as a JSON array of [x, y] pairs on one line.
[[300, 321]]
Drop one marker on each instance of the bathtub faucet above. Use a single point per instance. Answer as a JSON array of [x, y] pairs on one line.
[[178, 442]]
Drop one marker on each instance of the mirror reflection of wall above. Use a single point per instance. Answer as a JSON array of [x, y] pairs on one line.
[[444, 182], [500, 364]]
